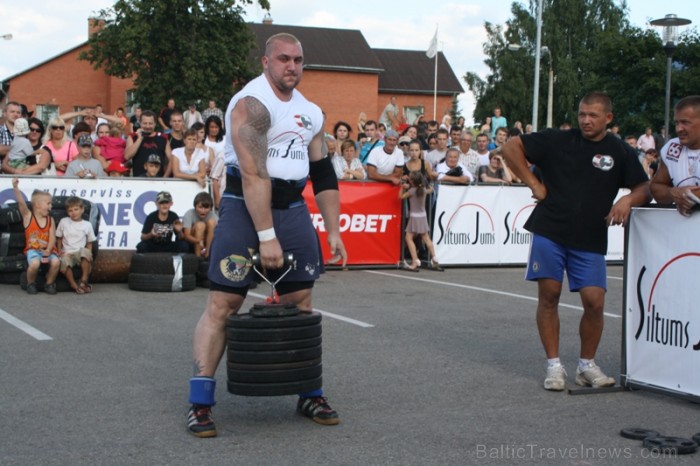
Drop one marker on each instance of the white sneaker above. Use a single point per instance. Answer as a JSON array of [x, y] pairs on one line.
[[592, 376], [556, 378]]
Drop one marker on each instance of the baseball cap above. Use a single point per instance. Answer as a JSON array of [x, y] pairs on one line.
[[21, 127], [85, 140], [163, 196], [116, 166], [404, 139], [153, 158]]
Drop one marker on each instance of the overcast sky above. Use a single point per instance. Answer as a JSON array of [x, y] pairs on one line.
[[42, 30]]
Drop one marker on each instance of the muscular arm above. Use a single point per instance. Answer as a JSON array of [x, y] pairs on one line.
[[665, 193], [513, 152], [395, 177], [328, 202], [133, 146]]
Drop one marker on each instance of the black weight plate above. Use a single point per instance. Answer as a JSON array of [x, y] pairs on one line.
[[288, 375], [274, 389], [661, 444], [638, 433], [270, 310], [273, 334], [250, 322], [272, 367], [273, 345], [274, 357]]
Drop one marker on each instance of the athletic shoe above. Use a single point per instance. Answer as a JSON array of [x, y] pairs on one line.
[[556, 378], [199, 421], [318, 410], [50, 288], [592, 376], [31, 288]]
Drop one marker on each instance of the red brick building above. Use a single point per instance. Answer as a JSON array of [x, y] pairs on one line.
[[342, 74]]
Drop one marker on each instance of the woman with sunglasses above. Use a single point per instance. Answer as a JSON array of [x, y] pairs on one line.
[[63, 149], [40, 160]]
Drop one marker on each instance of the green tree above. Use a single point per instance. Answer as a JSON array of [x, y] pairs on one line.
[[184, 49], [593, 47]]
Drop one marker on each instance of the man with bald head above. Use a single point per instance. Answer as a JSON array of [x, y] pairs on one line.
[[274, 144]]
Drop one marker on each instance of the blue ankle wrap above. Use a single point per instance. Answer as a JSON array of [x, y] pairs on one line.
[[202, 391], [313, 394]]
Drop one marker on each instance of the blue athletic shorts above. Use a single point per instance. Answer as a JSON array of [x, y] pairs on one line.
[[235, 242], [549, 260]]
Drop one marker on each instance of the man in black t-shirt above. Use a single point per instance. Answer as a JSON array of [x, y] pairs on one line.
[[144, 142], [583, 170]]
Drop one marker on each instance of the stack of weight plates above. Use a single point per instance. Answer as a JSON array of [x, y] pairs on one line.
[[273, 356]]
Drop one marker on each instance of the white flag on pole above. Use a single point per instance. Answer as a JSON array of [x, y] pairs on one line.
[[432, 49]]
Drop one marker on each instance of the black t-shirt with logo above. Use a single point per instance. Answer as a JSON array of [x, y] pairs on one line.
[[582, 178], [154, 143]]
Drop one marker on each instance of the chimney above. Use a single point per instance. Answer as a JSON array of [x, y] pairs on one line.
[[95, 25], [267, 19]]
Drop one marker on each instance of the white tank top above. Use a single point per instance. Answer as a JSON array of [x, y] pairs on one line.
[[683, 164], [292, 126]]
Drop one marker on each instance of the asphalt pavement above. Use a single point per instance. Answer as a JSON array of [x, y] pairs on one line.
[[428, 368]]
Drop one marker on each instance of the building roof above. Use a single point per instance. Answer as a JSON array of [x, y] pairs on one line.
[[324, 48], [412, 72]]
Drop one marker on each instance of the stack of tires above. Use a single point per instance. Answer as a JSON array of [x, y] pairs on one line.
[[12, 261], [13, 264], [273, 356], [163, 272]]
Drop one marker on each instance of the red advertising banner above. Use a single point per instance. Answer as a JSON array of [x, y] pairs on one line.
[[370, 222]]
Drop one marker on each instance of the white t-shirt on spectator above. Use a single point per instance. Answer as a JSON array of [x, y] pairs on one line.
[[385, 163]]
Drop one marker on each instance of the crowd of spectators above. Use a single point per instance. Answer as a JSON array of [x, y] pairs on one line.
[[190, 144]]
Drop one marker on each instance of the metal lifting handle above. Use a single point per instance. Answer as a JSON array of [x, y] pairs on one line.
[[257, 266]]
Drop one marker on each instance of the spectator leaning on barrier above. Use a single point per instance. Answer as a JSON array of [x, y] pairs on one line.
[[41, 157], [346, 164], [496, 171], [13, 110], [62, 148], [370, 142], [386, 163], [451, 170], [583, 171], [84, 166], [468, 156], [678, 174], [416, 162]]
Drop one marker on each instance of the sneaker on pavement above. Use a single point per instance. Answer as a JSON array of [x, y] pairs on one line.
[[50, 288], [31, 288], [199, 421], [592, 376], [318, 410], [555, 379]]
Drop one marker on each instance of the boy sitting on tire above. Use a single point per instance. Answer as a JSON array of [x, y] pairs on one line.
[[75, 237]]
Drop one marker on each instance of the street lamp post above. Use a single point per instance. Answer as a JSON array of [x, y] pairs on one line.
[[550, 94], [669, 36]]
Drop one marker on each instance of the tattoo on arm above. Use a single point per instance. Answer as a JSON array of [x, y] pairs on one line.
[[196, 368], [253, 133]]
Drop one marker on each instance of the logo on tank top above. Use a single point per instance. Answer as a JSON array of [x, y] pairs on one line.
[[674, 151], [603, 162], [303, 121]]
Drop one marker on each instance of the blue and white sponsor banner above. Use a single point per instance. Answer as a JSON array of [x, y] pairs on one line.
[[662, 322], [485, 225], [123, 202]]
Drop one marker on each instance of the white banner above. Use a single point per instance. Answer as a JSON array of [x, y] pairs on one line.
[[123, 202], [662, 324], [484, 225]]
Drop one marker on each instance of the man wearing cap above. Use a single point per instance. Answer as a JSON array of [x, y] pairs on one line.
[[274, 145], [404, 142], [386, 163], [144, 142], [84, 166], [162, 229]]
